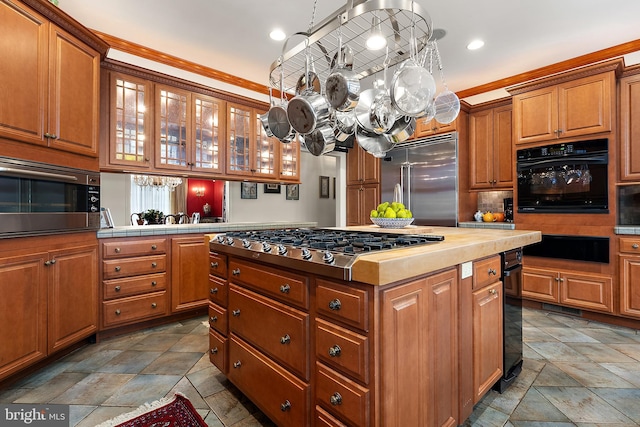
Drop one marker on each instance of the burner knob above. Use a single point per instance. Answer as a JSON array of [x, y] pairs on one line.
[[328, 257], [245, 243], [282, 250], [266, 247], [220, 239], [229, 241], [306, 253]]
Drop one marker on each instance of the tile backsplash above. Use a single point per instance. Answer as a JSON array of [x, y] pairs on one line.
[[492, 201]]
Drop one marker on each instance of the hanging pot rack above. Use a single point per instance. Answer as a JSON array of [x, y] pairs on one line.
[[354, 21]]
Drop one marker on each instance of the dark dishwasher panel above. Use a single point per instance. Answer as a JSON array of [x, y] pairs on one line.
[[578, 248]]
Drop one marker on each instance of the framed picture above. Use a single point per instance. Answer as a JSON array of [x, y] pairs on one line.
[[105, 218], [272, 188], [324, 187], [248, 190], [293, 192]]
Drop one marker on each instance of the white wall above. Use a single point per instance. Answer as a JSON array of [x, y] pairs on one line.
[[115, 194]]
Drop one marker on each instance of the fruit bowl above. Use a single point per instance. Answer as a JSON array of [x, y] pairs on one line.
[[391, 222]]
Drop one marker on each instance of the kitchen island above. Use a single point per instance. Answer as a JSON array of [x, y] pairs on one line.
[[414, 338]]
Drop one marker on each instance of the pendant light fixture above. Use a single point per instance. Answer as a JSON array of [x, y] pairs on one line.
[[376, 39]]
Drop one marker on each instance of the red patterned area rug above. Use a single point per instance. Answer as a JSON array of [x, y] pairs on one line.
[[174, 411]]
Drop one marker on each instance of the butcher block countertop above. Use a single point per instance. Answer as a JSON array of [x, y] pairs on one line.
[[460, 245]]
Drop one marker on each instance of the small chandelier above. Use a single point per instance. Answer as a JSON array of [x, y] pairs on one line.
[[157, 182]]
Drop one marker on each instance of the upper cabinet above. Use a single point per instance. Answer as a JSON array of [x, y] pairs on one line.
[[50, 87], [490, 147], [432, 127], [630, 127], [290, 161], [581, 103]]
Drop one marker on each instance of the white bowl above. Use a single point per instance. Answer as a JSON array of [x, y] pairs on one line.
[[392, 222]]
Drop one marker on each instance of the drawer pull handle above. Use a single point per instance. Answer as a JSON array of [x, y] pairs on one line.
[[335, 351], [154, 247], [237, 364], [117, 269], [117, 288], [285, 406], [154, 305], [336, 399], [154, 264], [285, 339], [214, 350], [236, 313], [236, 272], [285, 288], [214, 265], [493, 291], [117, 250], [335, 304], [213, 319], [635, 246], [118, 312], [213, 291], [154, 283], [492, 272]]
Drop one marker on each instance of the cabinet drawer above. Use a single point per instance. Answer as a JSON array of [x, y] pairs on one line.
[[324, 419], [218, 290], [343, 349], [278, 393], [118, 288], [137, 308], [217, 264], [284, 331], [343, 303], [218, 350], [486, 271], [342, 397], [115, 268], [630, 245], [122, 249], [284, 286], [218, 318]]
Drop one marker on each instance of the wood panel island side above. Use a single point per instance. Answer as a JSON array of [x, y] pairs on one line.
[[413, 339]]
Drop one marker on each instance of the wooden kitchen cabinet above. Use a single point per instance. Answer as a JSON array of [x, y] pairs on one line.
[[629, 273], [250, 152], [218, 315], [290, 161], [362, 167], [189, 273], [490, 148], [50, 297], [629, 163], [431, 127], [363, 185], [585, 290], [50, 86], [583, 103]]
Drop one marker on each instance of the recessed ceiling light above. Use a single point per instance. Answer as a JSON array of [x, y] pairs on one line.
[[475, 44], [277, 34]]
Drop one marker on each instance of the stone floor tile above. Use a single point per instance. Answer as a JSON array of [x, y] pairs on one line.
[[628, 371], [627, 401], [631, 350], [535, 334], [552, 376], [185, 387], [530, 354], [94, 389], [142, 389], [540, 424], [203, 363], [157, 341], [486, 417], [44, 375], [601, 353], [567, 335], [191, 343], [172, 363], [130, 362], [541, 322], [581, 405], [94, 361], [533, 364], [79, 412], [556, 351], [52, 389], [591, 374], [101, 414], [607, 336], [212, 420], [228, 407], [534, 407], [568, 320], [208, 381]]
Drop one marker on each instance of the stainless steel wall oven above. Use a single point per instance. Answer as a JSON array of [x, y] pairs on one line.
[[36, 198], [564, 178]]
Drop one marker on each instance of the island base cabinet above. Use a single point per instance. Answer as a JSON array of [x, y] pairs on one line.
[[218, 351], [189, 274], [284, 398], [342, 397]]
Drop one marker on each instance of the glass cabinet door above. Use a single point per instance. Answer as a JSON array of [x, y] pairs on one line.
[[290, 161], [208, 147], [130, 125], [266, 150], [239, 140], [172, 125]]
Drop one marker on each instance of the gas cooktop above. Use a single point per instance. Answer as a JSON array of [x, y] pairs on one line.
[[322, 251]]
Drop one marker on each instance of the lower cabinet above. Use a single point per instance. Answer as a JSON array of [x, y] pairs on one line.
[[629, 265], [589, 291], [361, 199], [189, 273], [50, 298]]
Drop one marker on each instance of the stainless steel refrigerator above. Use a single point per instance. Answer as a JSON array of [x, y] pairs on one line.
[[427, 171]]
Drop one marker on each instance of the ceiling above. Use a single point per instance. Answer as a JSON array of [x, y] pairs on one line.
[[232, 35]]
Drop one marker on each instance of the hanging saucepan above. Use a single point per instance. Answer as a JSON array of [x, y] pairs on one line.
[[342, 87], [278, 119], [320, 141], [264, 118], [373, 143], [382, 113], [363, 109], [402, 129], [344, 124]]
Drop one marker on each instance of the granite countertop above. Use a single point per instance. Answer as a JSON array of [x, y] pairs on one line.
[[627, 229], [492, 225], [460, 245], [159, 230]]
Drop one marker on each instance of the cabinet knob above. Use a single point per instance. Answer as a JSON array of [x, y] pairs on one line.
[[335, 304], [213, 319], [493, 291], [336, 399], [117, 288], [214, 350], [51, 135], [492, 272], [236, 313], [214, 265], [237, 364], [335, 351], [284, 407], [117, 269], [236, 272], [213, 291], [635, 246], [154, 264], [53, 261], [285, 339], [154, 247], [118, 312], [561, 279], [285, 289], [117, 250], [154, 305], [154, 283]]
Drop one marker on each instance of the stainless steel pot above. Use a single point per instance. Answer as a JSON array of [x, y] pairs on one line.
[[279, 123], [402, 129], [373, 143], [320, 141], [308, 112], [342, 87], [344, 124]]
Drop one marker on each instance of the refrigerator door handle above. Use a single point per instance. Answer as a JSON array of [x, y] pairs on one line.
[[408, 167]]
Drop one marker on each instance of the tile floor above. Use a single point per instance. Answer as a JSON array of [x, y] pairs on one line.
[[576, 372]]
